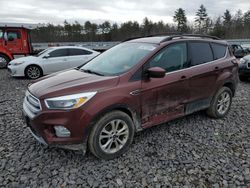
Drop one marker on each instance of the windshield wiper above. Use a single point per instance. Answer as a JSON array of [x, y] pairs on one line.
[[92, 72]]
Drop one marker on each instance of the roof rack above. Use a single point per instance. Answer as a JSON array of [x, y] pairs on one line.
[[131, 38], [153, 35], [189, 35]]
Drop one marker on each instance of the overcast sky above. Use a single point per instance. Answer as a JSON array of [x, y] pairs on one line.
[[56, 11]]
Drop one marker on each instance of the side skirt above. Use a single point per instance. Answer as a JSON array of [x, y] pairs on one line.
[[197, 105]]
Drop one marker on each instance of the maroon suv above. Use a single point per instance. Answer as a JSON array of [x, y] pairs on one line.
[[134, 85]]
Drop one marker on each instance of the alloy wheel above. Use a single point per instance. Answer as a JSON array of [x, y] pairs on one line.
[[223, 103], [114, 136], [33, 72], [3, 62]]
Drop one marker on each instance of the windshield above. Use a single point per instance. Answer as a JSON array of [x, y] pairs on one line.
[[42, 52], [118, 59]]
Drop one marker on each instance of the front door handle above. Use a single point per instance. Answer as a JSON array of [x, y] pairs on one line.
[[135, 92], [216, 68]]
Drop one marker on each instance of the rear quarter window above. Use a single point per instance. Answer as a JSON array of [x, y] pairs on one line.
[[219, 50]]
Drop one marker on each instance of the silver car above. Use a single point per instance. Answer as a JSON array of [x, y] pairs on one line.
[[50, 60]]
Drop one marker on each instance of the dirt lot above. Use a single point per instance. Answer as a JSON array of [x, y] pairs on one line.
[[194, 151]]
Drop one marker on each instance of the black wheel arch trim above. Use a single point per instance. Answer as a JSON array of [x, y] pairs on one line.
[[122, 107]]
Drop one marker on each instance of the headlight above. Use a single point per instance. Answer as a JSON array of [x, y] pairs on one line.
[[69, 101], [18, 63], [243, 61]]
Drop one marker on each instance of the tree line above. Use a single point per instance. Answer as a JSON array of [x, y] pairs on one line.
[[227, 26]]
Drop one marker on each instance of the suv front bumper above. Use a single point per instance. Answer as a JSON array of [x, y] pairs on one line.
[[41, 127]]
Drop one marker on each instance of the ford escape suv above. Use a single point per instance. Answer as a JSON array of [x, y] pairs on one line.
[[132, 86]]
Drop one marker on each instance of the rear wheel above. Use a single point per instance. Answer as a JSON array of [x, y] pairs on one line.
[[221, 103], [33, 72], [4, 60], [111, 135]]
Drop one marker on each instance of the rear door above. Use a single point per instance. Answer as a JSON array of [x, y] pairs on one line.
[[55, 60], [163, 99], [204, 71], [79, 56], [13, 41]]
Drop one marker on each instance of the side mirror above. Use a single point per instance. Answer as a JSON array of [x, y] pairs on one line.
[[46, 56], [156, 72]]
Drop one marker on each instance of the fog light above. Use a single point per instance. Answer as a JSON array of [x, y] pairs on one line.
[[62, 131]]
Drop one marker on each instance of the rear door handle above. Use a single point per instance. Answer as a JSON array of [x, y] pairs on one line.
[[183, 77], [216, 68]]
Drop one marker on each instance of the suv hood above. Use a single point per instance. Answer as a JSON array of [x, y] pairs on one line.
[[71, 82]]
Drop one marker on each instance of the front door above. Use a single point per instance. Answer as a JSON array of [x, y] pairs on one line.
[[163, 99], [13, 41], [56, 60]]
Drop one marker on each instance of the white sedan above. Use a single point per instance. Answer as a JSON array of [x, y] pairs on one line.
[[50, 60]]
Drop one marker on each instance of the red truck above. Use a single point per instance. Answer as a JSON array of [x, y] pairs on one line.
[[14, 40]]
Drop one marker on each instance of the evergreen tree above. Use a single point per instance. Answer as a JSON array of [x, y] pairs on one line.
[[227, 18], [181, 19], [201, 19]]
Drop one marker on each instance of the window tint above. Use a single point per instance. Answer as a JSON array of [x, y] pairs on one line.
[[59, 53], [73, 52], [1, 33], [219, 50], [13, 35], [200, 53], [171, 58]]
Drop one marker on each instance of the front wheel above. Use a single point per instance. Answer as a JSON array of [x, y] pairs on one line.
[[4, 60], [111, 135], [33, 72], [221, 103]]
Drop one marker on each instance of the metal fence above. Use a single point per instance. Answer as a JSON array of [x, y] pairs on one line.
[[243, 42], [101, 46]]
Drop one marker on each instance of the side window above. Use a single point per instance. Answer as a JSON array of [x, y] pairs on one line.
[[1, 33], [58, 53], [219, 50], [201, 52], [13, 35], [75, 51], [171, 58]]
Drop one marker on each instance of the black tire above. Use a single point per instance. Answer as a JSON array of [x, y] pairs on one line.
[[4, 60], [243, 78], [213, 110], [37, 72], [94, 141]]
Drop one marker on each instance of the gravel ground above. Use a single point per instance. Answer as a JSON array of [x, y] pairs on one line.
[[194, 151]]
